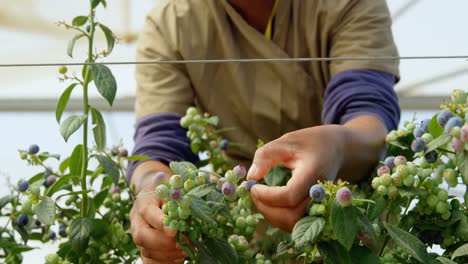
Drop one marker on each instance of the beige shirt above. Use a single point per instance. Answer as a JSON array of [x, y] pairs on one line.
[[260, 100]]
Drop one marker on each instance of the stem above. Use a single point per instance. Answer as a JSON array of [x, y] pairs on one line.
[[210, 172]]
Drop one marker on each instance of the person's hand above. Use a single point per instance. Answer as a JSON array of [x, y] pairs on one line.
[[312, 154], [156, 242]]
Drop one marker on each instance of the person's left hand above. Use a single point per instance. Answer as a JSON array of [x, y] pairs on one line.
[[312, 154]]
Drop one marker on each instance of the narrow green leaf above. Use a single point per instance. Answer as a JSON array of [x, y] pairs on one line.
[[375, 210], [214, 120], [63, 101], [202, 190], [398, 144], [201, 210], [36, 178], [100, 228], [6, 200], [137, 157], [184, 169], [461, 251], [365, 225], [64, 165], [99, 129], [110, 167], [105, 82], [45, 211], [333, 252], [307, 231], [363, 255], [80, 233], [109, 37], [445, 260], [71, 125], [71, 44], [90, 210], [441, 141], [62, 183], [344, 223], [409, 243], [277, 176], [434, 128], [462, 162], [76, 160], [79, 21], [95, 3]]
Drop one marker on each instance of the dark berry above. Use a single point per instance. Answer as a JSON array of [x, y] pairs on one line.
[[249, 184], [228, 189], [453, 122], [175, 194], [425, 125], [418, 145], [51, 180], [88, 28], [37, 222], [431, 156], [123, 152], [33, 149], [389, 162], [344, 197], [23, 185], [52, 235], [22, 220], [443, 117], [63, 230], [418, 132], [114, 151], [224, 144], [240, 171], [317, 193], [116, 190]]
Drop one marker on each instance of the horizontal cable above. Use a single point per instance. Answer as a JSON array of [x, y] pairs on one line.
[[237, 61]]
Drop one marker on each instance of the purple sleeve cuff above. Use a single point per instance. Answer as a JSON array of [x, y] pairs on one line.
[[361, 92], [161, 137]]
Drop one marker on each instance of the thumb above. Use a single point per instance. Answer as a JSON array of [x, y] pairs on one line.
[[268, 156]]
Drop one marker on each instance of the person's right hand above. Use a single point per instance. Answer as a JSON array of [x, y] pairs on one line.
[[157, 242]]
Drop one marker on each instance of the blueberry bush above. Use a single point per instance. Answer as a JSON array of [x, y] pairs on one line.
[[403, 213]]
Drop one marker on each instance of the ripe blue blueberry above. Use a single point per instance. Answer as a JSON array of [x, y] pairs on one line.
[[22, 220], [418, 132], [425, 125], [418, 145], [158, 178], [23, 185], [37, 222], [431, 156], [175, 194], [317, 193], [249, 184], [224, 144], [228, 189], [389, 162], [33, 149], [443, 117], [383, 170], [344, 197], [52, 235], [453, 122], [240, 171], [63, 230]]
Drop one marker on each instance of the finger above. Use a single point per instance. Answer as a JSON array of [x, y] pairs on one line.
[[154, 216], [162, 256], [146, 236], [282, 217], [295, 191], [270, 155]]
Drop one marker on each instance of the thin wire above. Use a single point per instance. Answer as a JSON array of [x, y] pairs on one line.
[[236, 61]]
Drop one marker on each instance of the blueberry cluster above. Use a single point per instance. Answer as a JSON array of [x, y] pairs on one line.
[[396, 172]]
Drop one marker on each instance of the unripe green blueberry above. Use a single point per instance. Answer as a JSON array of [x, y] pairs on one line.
[[165, 208], [249, 230], [243, 244], [409, 181], [212, 233], [259, 256], [199, 180], [442, 207], [242, 192], [401, 132], [428, 183], [412, 168], [442, 195], [248, 254], [396, 179], [432, 200], [116, 197], [183, 226], [52, 259], [194, 234], [63, 70], [410, 127], [174, 225], [184, 213], [35, 191], [427, 137], [423, 163], [385, 179], [186, 121], [173, 214], [188, 185], [393, 192], [428, 210], [231, 177], [458, 96], [424, 173], [240, 222], [376, 182], [251, 220], [107, 202], [162, 191], [382, 190], [219, 233], [446, 215], [176, 181], [450, 177], [402, 171], [392, 136], [321, 209], [233, 240]]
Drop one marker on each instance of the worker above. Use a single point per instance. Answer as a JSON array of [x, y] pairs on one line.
[[324, 119]]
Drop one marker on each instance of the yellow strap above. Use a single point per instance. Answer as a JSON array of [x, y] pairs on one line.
[[270, 21]]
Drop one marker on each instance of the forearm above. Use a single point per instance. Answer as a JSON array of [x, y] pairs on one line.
[[363, 142], [142, 174]]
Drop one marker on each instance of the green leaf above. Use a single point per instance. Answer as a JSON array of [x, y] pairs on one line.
[[201, 210], [221, 250], [202, 190], [100, 197], [76, 160], [344, 223], [277, 176], [445, 260], [409, 243], [105, 82], [62, 183], [6, 200], [441, 141], [90, 210], [214, 120], [363, 255], [334, 252], [79, 21], [110, 167], [63, 101], [64, 165], [45, 211], [99, 129], [307, 231], [71, 125], [71, 44], [80, 233], [461, 251], [375, 210], [184, 169], [109, 37], [46, 155], [462, 162], [137, 157], [100, 228], [434, 128], [365, 225], [35, 178], [95, 3], [219, 208]]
